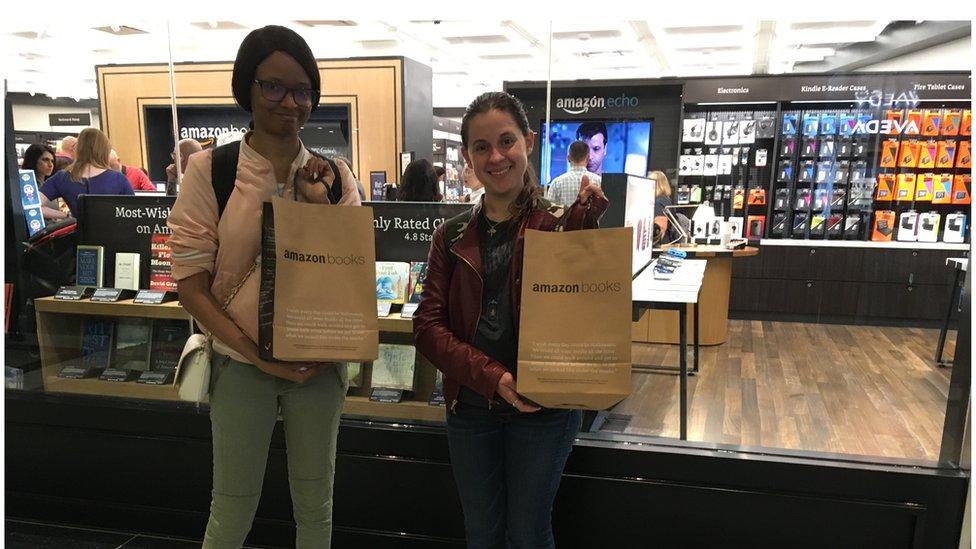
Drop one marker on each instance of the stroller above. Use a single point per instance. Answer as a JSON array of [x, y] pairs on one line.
[[49, 263]]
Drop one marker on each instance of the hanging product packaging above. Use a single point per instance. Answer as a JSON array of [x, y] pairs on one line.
[[567, 360], [318, 298]]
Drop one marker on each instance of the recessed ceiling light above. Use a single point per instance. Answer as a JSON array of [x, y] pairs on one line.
[[327, 23], [218, 25], [120, 30], [477, 40]]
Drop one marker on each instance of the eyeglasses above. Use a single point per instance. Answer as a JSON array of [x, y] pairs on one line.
[[273, 91]]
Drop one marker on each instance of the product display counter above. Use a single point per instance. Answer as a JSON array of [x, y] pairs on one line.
[[60, 326], [660, 326]]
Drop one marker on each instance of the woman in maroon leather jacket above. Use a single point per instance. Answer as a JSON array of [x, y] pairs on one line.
[[507, 453]]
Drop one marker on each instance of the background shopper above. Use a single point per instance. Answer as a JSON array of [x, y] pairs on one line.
[[507, 454], [137, 178], [470, 181], [564, 188], [662, 198], [40, 158], [276, 79], [419, 183], [88, 174]]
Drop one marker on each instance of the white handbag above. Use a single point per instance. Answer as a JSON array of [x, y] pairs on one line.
[[192, 377]]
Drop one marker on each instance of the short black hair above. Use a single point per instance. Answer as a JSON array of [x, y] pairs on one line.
[[578, 151], [589, 129], [257, 46]]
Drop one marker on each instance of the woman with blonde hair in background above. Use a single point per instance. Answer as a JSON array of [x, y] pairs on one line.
[[88, 174], [662, 198]]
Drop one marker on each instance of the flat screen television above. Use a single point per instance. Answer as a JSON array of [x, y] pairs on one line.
[[626, 149]]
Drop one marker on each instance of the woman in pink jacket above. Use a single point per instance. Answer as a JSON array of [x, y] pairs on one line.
[[276, 79]]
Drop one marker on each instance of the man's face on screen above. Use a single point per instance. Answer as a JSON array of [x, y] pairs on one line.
[[598, 150]]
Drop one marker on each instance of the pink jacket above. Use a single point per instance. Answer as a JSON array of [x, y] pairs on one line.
[[227, 249]]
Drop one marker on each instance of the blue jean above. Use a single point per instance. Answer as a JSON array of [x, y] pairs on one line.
[[507, 467]]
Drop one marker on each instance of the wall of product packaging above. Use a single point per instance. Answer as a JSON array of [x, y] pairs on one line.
[[836, 170]]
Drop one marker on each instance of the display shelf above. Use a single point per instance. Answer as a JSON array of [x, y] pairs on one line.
[[60, 324], [169, 310], [128, 389], [396, 324], [705, 251], [865, 244], [408, 409]]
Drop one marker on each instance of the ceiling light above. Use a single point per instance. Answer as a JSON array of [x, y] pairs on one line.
[[120, 30], [218, 25], [325, 23]]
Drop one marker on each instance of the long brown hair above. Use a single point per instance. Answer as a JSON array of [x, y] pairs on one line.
[[530, 196], [93, 149]]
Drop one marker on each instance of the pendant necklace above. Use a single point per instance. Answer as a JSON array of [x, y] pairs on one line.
[[492, 224]]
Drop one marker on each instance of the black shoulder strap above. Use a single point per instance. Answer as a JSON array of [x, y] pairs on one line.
[[223, 173], [335, 191]]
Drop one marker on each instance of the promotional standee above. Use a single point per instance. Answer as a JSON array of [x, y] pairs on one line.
[[30, 200]]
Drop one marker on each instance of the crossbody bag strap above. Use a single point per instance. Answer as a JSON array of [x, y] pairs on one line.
[[239, 285], [233, 292]]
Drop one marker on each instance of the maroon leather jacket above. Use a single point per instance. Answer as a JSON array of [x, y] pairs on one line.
[[446, 321]]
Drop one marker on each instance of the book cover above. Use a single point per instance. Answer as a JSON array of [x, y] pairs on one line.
[[394, 368], [89, 266], [131, 348], [418, 273], [392, 280], [161, 264], [127, 271], [168, 338], [96, 343]]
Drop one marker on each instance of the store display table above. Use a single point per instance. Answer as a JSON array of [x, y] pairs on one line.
[[682, 289], [961, 265], [659, 326]]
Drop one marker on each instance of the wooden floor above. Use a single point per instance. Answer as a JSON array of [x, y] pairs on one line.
[[832, 388]]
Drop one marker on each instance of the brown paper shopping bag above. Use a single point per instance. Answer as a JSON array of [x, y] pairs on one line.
[[318, 272], [574, 328]]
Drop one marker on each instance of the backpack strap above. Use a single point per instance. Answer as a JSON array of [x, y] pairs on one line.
[[223, 173], [335, 191]]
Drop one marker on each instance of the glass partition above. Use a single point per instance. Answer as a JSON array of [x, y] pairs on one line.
[[820, 343], [823, 344]]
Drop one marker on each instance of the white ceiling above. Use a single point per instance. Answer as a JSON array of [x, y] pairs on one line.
[[467, 57]]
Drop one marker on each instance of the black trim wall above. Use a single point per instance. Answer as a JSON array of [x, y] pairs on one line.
[[146, 468]]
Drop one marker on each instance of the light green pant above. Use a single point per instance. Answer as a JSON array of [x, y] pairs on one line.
[[244, 405]]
